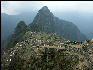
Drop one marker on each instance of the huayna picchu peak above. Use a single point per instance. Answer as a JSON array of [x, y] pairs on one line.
[[46, 21], [44, 9]]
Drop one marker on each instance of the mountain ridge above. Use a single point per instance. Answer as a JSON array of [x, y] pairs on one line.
[[46, 21]]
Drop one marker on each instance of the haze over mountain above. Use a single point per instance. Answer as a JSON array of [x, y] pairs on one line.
[[83, 22], [9, 22], [46, 21], [82, 19]]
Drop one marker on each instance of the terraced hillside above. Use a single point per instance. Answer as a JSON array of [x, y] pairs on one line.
[[44, 51]]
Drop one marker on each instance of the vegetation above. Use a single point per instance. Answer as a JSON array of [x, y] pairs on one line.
[[18, 34], [42, 51]]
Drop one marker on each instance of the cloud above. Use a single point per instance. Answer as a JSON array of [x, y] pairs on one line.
[[61, 6], [17, 7]]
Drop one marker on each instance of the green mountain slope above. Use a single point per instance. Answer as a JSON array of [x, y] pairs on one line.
[[40, 50], [18, 34]]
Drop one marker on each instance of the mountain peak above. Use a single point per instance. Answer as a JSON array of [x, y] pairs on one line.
[[44, 9]]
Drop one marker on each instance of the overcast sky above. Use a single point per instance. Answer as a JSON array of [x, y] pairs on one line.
[[17, 7]]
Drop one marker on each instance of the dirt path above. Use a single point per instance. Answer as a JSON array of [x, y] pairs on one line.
[[53, 47]]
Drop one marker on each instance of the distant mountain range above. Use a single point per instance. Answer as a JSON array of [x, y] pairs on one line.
[[9, 23], [82, 20]]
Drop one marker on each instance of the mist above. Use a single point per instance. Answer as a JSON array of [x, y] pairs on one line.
[[78, 12]]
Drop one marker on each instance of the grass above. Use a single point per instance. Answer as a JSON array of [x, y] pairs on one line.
[[86, 63], [76, 45]]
